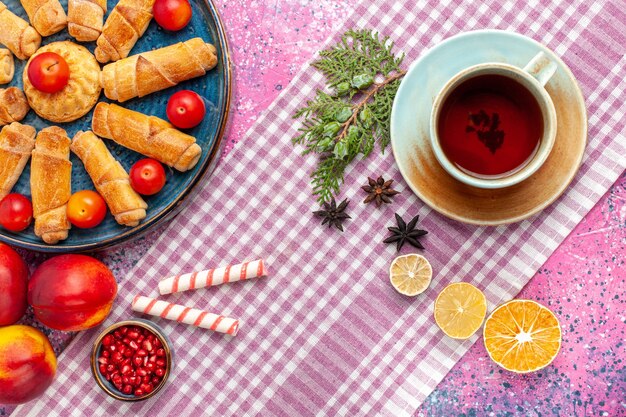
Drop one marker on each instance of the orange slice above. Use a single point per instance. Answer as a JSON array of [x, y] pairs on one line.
[[522, 336], [410, 274], [460, 310]]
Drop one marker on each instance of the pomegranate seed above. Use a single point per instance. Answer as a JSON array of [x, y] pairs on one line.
[[145, 379], [128, 353], [107, 340], [110, 368], [126, 341], [124, 330], [147, 345], [140, 338], [141, 372], [160, 363], [155, 380], [159, 372], [117, 357], [107, 377], [153, 358], [127, 389], [126, 369], [125, 380], [157, 343], [138, 392], [141, 352], [147, 388], [103, 369], [150, 366], [121, 349], [133, 345], [126, 362], [106, 353], [112, 348], [160, 352], [145, 360], [133, 334], [117, 334], [103, 360], [137, 360]]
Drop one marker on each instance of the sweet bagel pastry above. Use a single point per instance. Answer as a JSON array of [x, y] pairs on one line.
[[147, 135], [127, 23], [47, 16], [16, 143], [7, 66], [13, 105], [147, 72], [17, 35], [110, 179], [78, 96], [85, 18], [50, 184]]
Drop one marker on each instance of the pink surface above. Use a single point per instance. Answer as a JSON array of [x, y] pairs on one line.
[[582, 282]]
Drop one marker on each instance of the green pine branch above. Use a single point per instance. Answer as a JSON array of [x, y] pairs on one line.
[[364, 75]]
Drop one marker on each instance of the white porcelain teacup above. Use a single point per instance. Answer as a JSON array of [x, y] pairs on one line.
[[532, 78]]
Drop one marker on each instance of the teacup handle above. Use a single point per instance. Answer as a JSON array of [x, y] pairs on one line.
[[541, 67]]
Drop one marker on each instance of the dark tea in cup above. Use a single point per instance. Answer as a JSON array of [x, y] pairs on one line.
[[490, 126]]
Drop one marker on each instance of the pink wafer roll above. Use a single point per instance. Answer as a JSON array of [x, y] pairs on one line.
[[202, 279], [187, 315]]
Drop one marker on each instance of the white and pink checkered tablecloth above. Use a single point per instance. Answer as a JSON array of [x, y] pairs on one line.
[[325, 333]]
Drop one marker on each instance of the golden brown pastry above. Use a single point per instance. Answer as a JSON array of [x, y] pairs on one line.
[[47, 16], [110, 179], [127, 22], [85, 18], [156, 70], [50, 184], [147, 135], [16, 143], [13, 105], [78, 96], [7, 66], [17, 35]]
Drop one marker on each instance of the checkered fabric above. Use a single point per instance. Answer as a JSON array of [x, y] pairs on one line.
[[325, 333]]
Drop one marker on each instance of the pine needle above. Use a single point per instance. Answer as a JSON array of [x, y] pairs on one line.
[[348, 122]]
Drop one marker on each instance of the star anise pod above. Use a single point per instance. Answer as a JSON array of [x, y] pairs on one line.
[[334, 214], [406, 233], [379, 190]]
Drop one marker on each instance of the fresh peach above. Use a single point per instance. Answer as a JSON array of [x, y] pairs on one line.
[[27, 364], [72, 292], [13, 285]]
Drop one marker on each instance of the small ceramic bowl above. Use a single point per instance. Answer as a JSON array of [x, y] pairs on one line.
[[107, 386]]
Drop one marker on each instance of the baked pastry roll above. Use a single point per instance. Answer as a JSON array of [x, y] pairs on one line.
[[147, 135], [110, 179], [13, 105], [147, 72], [17, 35], [46, 16], [127, 22], [16, 143], [7, 66], [79, 95], [85, 19], [50, 184]]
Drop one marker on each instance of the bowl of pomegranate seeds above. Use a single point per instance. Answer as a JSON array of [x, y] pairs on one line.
[[131, 360]]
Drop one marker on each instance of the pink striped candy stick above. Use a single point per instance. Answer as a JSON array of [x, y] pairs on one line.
[[187, 315], [210, 277]]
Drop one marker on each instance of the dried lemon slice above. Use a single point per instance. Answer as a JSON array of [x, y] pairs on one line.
[[460, 310], [410, 274], [522, 336]]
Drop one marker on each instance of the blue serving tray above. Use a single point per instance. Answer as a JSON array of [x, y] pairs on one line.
[[215, 87]]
